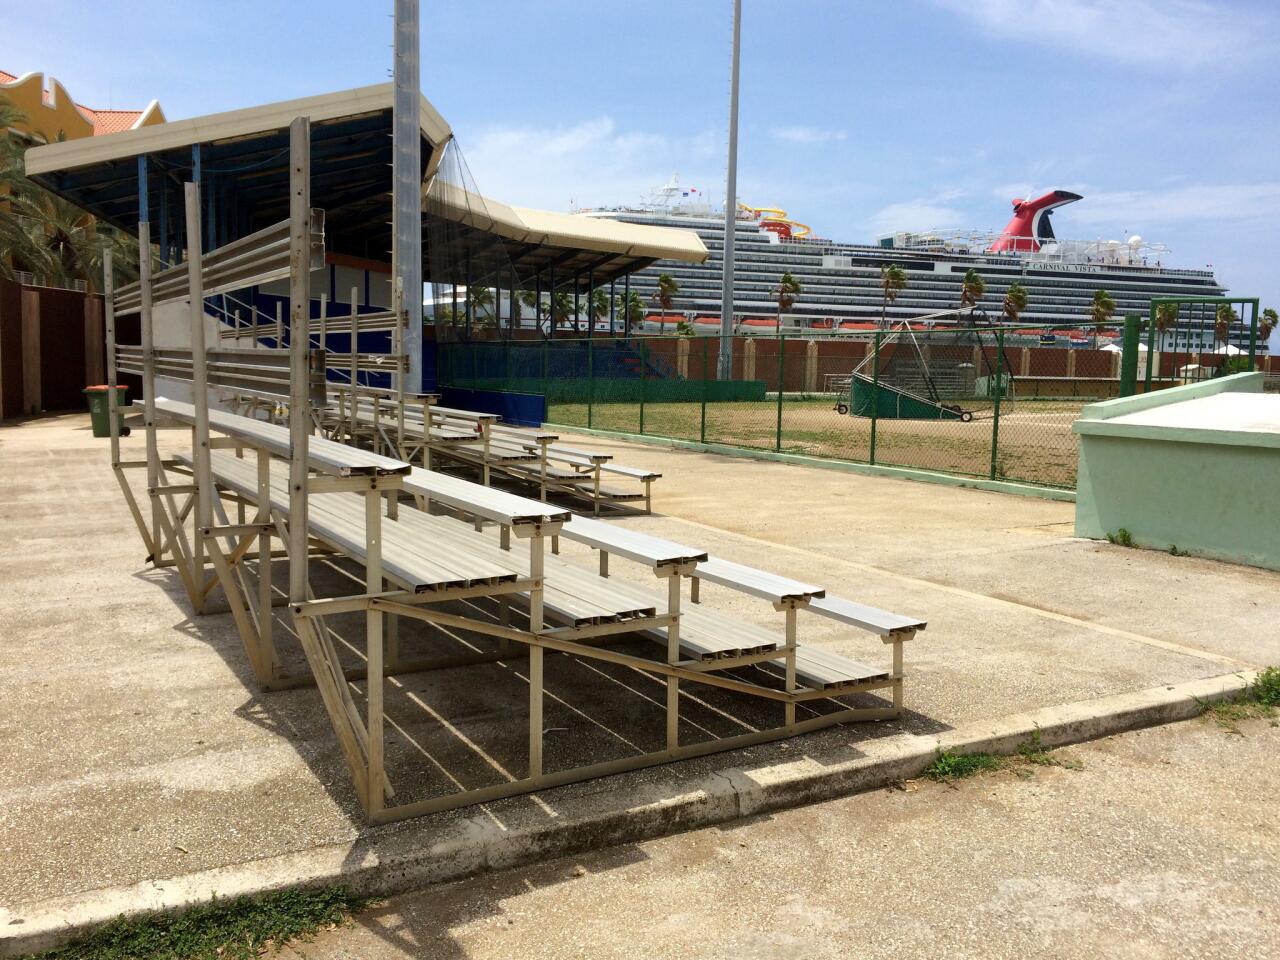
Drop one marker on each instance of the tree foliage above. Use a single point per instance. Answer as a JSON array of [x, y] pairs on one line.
[[972, 288], [786, 292], [1015, 301], [893, 280], [46, 236]]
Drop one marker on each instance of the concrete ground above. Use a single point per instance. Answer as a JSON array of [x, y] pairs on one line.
[[133, 746], [1158, 843]]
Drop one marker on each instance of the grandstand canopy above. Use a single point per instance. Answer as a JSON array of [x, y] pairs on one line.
[[241, 160]]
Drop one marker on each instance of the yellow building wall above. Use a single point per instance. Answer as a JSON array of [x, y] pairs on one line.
[[59, 118]]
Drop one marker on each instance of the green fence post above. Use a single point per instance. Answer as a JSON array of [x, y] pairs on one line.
[[702, 427], [1129, 358], [875, 393], [1253, 337], [782, 370], [546, 398], [1151, 346], [591, 381], [642, 379], [995, 419]]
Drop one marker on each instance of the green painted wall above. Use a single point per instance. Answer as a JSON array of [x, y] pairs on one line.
[[1207, 492]]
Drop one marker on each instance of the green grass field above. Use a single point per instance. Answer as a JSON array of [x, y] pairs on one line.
[[1035, 442]]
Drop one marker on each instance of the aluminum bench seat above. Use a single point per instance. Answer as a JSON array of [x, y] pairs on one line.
[[758, 583], [423, 552], [871, 619], [820, 669], [337, 520], [488, 503], [620, 541], [779, 589], [327, 456], [570, 593]]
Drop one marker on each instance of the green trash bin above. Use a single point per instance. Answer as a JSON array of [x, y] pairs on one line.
[[99, 408]]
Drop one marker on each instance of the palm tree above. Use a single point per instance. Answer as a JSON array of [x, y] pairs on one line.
[[534, 302], [1267, 324], [597, 306], [893, 280], [631, 307], [684, 328], [1100, 311], [480, 300], [1015, 301], [972, 288], [668, 287], [561, 309], [1167, 319], [1223, 318], [786, 293]]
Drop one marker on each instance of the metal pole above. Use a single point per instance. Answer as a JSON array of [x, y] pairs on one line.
[[299, 309], [643, 377], [730, 206], [406, 172], [109, 323], [199, 381], [702, 425], [149, 381], [875, 394], [1253, 336], [782, 371], [1151, 344], [995, 413]]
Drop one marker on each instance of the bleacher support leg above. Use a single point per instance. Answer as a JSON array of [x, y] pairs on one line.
[[673, 657], [897, 672], [790, 708], [536, 572], [373, 626], [266, 621]]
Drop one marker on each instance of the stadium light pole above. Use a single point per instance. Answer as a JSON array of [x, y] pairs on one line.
[[725, 364], [406, 172]]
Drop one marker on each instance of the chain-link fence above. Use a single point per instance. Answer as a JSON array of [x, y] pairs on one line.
[[993, 402]]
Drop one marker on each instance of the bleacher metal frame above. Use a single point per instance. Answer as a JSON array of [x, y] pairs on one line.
[[318, 467]]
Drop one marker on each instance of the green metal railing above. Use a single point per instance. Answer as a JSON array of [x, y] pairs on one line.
[[993, 402]]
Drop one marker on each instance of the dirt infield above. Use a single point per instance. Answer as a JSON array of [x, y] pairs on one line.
[[1033, 442]]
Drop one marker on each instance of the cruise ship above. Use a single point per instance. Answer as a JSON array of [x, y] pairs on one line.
[[840, 282]]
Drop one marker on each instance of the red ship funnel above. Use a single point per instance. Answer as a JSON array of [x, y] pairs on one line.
[[1030, 224]]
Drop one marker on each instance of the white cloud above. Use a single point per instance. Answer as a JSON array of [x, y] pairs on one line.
[[1174, 35], [914, 215], [807, 134], [1224, 203], [591, 163]]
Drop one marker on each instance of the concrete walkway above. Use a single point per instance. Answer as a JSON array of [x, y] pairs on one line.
[[133, 747], [1163, 843]]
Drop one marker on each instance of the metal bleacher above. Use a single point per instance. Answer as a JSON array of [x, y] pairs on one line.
[[434, 551]]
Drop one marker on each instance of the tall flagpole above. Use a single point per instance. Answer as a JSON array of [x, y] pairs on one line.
[[725, 364]]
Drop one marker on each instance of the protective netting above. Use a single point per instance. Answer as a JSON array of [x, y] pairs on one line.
[[468, 265]]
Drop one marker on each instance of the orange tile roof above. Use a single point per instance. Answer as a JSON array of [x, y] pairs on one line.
[[110, 121]]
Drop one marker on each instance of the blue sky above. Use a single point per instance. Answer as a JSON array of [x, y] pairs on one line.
[[857, 117]]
